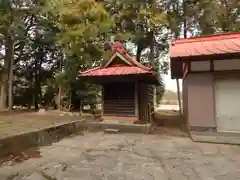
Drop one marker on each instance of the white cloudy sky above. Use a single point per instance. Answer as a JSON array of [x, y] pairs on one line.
[[171, 83]]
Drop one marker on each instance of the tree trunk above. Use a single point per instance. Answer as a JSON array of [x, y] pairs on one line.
[[138, 57], [59, 97], [4, 86], [184, 19], [70, 101], [59, 105], [36, 90], [81, 107], [9, 55], [37, 77], [151, 54], [185, 36], [7, 74]]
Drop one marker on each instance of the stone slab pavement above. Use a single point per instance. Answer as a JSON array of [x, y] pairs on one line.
[[99, 156]]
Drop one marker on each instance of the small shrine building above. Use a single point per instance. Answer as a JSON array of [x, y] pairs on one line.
[[127, 87]]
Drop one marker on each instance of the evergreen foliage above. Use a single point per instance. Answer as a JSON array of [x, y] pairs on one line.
[[44, 43]]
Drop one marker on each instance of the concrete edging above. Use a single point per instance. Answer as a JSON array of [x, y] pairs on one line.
[[40, 137], [216, 137]]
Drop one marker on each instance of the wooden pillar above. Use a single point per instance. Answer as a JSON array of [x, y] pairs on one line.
[[179, 96], [102, 104], [136, 91]]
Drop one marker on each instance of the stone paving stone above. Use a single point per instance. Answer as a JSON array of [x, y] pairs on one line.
[[99, 156]]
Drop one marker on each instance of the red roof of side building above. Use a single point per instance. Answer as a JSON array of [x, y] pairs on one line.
[[218, 44], [130, 67]]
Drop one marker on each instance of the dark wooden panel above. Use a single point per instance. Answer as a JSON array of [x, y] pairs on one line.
[[125, 112], [119, 108], [143, 102], [120, 103], [119, 99], [119, 115], [119, 91]]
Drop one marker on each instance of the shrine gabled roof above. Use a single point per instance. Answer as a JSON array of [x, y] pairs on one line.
[[115, 70], [219, 44], [129, 66]]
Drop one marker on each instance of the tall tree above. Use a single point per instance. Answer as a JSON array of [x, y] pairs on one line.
[[218, 16], [14, 25], [84, 28], [141, 22]]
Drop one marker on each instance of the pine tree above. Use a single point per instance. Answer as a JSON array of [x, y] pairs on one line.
[[84, 28]]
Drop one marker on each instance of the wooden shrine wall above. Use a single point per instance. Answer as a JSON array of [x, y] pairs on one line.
[[119, 99], [145, 101]]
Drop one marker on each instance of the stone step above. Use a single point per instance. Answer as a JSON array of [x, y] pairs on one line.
[[111, 131], [123, 127]]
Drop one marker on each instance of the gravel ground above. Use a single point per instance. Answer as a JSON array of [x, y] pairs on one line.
[[98, 156]]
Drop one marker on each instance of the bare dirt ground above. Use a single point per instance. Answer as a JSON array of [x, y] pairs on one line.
[[169, 118], [20, 121], [97, 156]]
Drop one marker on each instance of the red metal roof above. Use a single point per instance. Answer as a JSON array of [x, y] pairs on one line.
[[118, 47], [206, 45], [117, 69]]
